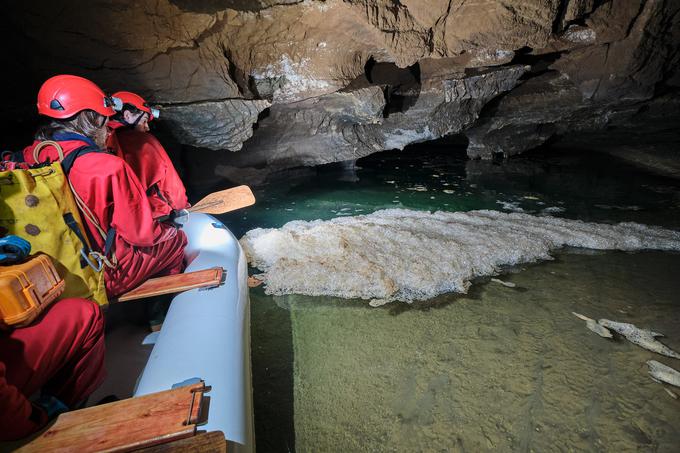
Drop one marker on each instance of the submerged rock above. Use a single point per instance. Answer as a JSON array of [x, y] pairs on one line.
[[641, 337], [594, 326], [663, 373], [506, 284]]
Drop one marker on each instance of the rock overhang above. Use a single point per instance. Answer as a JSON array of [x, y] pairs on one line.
[[299, 71]]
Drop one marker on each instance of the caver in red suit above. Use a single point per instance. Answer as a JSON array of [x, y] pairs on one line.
[[150, 162], [60, 353], [132, 141], [109, 187]]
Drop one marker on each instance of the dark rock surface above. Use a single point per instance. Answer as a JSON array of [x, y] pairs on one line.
[[349, 125], [289, 83], [224, 124]]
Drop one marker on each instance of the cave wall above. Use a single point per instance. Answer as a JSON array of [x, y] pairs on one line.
[[288, 83]]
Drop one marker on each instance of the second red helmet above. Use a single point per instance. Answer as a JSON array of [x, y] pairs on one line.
[[138, 102]]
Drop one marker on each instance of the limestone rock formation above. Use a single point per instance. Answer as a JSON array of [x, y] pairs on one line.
[[334, 80], [224, 124], [349, 125]]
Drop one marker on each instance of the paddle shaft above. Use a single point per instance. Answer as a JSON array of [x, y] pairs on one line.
[[222, 201]]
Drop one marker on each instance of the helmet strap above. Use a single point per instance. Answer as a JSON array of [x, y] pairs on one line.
[[139, 118], [135, 122]]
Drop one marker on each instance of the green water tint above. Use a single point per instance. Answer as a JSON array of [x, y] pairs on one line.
[[585, 186], [508, 369], [500, 369]]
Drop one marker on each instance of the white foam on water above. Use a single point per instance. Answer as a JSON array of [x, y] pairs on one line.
[[510, 205], [552, 210], [400, 254]]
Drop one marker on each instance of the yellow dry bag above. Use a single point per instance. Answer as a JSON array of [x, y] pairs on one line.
[[38, 205]]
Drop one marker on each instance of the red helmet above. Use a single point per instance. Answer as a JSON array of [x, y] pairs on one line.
[[63, 96], [137, 101]]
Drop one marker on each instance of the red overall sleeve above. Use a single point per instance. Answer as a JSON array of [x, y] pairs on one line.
[[112, 191], [150, 162], [132, 215], [170, 184], [18, 417]]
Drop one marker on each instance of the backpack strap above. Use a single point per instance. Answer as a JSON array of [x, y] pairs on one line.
[[66, 165], [73, 225], [68, 161], [108, 236], [154, 189], [12, 156]]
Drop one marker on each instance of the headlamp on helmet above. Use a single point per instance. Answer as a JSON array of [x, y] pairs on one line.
[[114, 102], [155, 113]]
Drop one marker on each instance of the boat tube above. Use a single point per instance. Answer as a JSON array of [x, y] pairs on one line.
[[206, 335]]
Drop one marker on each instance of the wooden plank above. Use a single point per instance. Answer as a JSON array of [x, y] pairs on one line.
[[212, 442], [124, 425], [170, 284]]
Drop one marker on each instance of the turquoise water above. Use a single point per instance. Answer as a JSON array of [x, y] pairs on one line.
[[588, 186], [500, 368]]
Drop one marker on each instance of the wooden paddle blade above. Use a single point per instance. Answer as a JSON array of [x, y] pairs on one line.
[[225, 201]]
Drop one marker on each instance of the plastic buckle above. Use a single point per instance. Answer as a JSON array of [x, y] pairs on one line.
[[86, 257]]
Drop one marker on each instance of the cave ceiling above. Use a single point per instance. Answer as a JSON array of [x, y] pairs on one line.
[[308, 82]]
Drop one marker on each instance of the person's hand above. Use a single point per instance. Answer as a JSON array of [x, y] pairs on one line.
[[51, 405], [178, 217], [13, 249]]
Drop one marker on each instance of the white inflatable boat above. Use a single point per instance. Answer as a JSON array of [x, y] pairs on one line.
[[206, 335]]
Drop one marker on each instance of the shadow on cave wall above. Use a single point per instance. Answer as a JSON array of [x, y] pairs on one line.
[[18, 112], [212, 6], [28, 62], [401, 86]]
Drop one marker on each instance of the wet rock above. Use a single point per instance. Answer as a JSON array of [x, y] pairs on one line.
[[348, 125], [313, 131], [526, 117], [663, 373], [217, 125], [594, 88]]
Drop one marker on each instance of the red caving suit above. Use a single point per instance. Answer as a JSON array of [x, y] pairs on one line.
[[61, 352], [150, 162], [110, 188]]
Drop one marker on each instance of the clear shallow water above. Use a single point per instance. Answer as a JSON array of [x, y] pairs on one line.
[[508, 369]]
